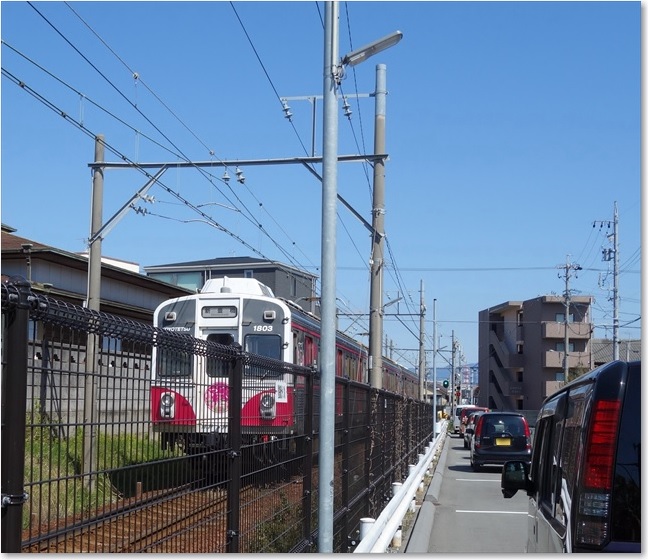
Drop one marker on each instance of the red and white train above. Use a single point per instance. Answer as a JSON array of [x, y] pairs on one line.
[[189, 395]]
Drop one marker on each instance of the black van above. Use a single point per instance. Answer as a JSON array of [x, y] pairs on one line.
[[584, 482]]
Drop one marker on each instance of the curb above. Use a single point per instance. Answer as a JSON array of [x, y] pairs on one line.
[[417, 540]]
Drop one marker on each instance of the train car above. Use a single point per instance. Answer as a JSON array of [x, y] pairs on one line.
[[189, 395]]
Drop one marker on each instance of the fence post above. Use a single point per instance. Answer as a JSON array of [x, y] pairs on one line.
[[235, 462], [309, 412], [14, 409], [346, 452]]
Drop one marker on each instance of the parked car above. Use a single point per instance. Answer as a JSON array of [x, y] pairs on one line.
[[463, 417], [469, 426], [456, 418], [584, 481], [500, 437]]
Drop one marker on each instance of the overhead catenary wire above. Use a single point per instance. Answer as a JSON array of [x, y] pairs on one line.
[[123, 157], [248, 214]]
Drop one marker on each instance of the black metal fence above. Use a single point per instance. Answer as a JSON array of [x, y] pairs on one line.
[[84, 470]]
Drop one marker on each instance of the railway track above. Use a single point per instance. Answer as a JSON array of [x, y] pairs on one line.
[[178, 522]]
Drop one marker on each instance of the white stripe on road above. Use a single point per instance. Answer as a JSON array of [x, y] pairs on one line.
[[484, 511], [479, 479]]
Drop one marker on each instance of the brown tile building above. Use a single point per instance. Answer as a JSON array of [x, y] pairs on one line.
[[522, 348]]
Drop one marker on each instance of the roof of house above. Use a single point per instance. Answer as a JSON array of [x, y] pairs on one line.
[[226, 263], [602, 350]]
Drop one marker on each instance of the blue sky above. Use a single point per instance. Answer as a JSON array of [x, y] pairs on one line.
[[511, 128]]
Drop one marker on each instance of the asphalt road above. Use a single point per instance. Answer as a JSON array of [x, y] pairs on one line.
[[464, 511]]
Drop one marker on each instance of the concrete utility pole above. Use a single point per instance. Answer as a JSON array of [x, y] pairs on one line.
[[90, 434], [569, 267], [452, 376], [615, 293], [422, 347], [434, 373], [378, 235], [613, 255]]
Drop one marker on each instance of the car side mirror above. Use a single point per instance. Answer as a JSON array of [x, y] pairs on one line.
[[515, 477]]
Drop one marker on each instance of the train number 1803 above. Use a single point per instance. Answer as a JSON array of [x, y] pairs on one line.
[[262, 328]]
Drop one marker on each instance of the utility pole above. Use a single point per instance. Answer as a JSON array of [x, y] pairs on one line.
[[422, 347], [569, 267], [434, 377], [613, 255], [378, 235], [90, 434], [452, 377]]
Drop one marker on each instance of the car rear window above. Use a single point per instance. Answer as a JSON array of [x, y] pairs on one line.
[[495, 425], [626, 501]]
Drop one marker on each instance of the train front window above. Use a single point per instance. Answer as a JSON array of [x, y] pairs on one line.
[[268, 345], [215, 366], [173, 363]]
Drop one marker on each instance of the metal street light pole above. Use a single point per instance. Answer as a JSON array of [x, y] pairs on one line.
[[333, 67], [328, 267]]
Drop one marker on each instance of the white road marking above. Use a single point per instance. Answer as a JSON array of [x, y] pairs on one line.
[[479, 479], [485, 511]]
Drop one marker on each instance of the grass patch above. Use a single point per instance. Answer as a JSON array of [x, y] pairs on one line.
[[57, 487]]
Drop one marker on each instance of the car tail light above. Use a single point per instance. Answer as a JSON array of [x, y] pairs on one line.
[[598, 473], [527, 433], [477, 434]]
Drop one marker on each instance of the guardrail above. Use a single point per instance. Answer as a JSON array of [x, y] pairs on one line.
[[376, 535]]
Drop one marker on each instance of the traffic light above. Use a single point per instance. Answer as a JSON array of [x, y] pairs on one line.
[[445, 383], [458, 394]]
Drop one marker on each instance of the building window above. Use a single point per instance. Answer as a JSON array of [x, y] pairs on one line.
[[520, 348], [248, 273], [560, 317], [293, 286], [189, 280], [560, 346], [520, 376]]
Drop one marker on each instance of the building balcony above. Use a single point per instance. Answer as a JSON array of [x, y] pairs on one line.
[[554, 359], [577, 330], [551, 387]]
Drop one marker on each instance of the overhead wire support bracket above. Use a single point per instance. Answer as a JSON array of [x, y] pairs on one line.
[[130, 204], [305, 161]]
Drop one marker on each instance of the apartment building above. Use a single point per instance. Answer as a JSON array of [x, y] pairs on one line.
[[522, 350]]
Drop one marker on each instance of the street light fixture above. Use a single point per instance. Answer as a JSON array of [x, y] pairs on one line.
[[363, 53]]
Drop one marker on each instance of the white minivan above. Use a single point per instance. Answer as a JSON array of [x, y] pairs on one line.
[[456, 418]]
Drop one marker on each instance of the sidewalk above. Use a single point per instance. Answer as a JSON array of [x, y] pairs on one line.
[[417, 539]]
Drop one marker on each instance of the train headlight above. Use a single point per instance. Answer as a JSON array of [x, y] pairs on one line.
[[167, 405], [267, 406]]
